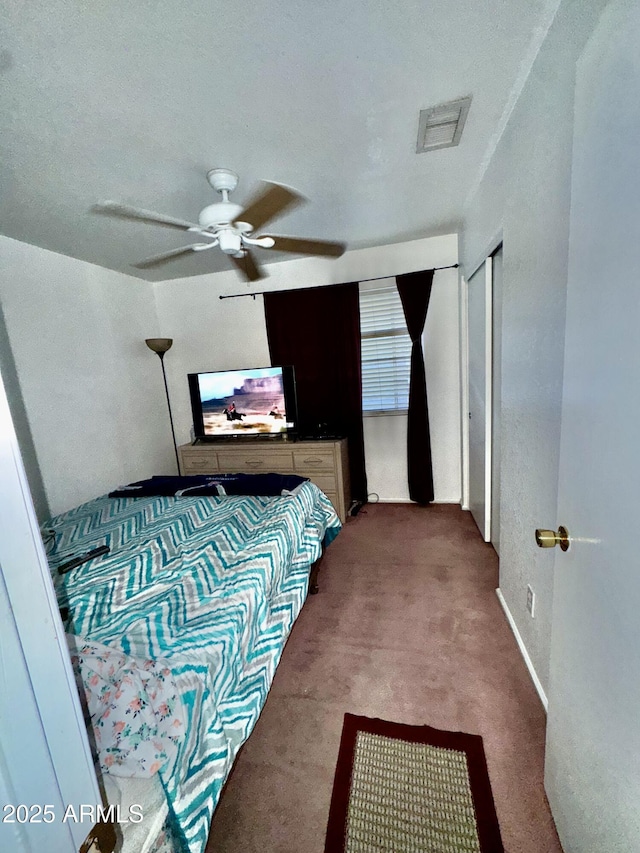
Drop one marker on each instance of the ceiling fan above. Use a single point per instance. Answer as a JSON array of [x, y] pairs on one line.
[[230, 226]]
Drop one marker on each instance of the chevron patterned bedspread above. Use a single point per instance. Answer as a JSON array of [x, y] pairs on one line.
[[211, 585]]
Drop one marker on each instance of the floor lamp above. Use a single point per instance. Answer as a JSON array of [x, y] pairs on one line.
[[160, 346]]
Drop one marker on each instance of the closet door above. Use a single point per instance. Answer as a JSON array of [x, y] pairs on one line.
[[479, 300]]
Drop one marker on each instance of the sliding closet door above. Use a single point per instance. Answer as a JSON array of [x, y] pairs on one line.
[[480, 396]]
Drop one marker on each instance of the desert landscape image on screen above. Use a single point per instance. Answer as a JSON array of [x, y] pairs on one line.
[[250, 401]]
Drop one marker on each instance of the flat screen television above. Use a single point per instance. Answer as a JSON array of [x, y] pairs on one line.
[[254, 402]]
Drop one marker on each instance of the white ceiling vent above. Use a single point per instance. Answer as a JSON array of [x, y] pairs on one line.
[[441, 126]]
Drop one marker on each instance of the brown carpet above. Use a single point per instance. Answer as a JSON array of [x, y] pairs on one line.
[[410, 789], [406, 627]]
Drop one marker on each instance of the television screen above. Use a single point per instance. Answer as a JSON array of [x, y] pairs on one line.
[[230, 403]]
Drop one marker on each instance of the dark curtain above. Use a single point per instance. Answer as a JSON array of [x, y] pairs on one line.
[[317, 330], [415, 289]]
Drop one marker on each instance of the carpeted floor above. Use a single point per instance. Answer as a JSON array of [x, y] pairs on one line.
[[406, 627]]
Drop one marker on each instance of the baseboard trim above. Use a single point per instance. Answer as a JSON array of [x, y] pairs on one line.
[[409, 501], [523, 650]]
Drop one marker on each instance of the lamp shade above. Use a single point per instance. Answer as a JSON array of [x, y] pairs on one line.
[[159, 345]]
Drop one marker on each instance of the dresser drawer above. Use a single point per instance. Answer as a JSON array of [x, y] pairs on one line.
[[325, 482], [277, 461], [306, 461], [200, 463], [337, 505]]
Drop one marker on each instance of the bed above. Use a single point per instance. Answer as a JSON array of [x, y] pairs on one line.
[[175, 636]]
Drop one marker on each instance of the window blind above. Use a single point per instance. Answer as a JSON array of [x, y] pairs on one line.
[[386, 349]]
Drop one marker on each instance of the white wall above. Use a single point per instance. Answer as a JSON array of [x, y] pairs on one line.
[[92, 391], [215, 334], [525, 192]]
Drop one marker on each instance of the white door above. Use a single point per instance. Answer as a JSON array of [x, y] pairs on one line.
[[592, 772], [45, 759], [480, 406]]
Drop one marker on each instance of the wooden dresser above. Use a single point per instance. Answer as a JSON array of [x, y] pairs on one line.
[[324, 462]]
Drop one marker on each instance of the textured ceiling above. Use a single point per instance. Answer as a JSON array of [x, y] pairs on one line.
[[135, 101]]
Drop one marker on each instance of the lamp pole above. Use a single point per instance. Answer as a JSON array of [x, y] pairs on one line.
[[160, 346]]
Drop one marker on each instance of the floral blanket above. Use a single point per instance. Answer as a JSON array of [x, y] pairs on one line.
[[135, 708], [205, 587]]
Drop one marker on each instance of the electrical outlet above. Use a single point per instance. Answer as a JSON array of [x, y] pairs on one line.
[[531, 600]]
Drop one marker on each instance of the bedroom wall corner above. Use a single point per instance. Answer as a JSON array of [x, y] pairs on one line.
[[92, 391], [11, 381]]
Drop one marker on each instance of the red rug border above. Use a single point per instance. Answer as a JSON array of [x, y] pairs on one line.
[[471, 745]]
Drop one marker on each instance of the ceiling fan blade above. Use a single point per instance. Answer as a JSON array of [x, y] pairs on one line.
[[307, 247], [246, 264], [112, 208], [271, 201], [160, 259]]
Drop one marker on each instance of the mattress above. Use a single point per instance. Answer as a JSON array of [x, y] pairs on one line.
[[194, 601]]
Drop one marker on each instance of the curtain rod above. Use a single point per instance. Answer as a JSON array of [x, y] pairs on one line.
[[379, 278]]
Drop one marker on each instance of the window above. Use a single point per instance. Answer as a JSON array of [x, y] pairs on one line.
[[386, 349]]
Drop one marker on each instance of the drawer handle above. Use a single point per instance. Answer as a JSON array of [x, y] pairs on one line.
[[254, 463], [313, 461]]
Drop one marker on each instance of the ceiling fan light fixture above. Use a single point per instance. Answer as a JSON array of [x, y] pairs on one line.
[[229, 241]]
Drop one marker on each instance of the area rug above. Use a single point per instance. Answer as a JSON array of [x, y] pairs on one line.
[[410, 789]]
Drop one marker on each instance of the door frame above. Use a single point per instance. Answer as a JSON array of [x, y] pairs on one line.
[[43, 666]]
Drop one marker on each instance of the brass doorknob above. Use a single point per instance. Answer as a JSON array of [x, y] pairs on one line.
[[549, 538]]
